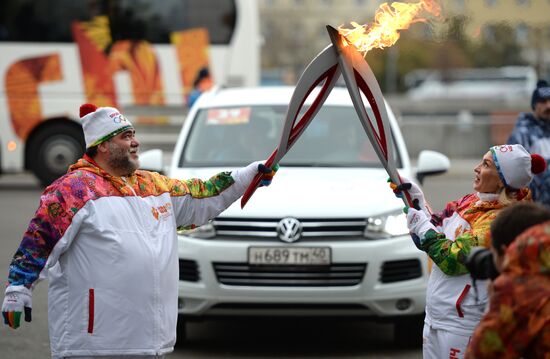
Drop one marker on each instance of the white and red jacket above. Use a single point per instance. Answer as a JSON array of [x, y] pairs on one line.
[[109, 247], [452, 303]]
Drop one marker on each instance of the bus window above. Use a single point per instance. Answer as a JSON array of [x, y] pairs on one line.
[[152, 21]]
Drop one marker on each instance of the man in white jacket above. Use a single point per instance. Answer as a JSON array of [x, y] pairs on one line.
[[105, 235]]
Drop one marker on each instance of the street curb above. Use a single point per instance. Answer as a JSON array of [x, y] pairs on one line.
[[463, 167], [459, 168], [25, 180]]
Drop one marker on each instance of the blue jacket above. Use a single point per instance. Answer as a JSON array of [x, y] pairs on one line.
[[534, 135]]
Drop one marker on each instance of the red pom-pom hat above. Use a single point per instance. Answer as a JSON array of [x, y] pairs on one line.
[[86, 109]]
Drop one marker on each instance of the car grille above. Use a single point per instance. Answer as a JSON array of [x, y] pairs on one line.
[[334, 275], [312, 229], [189, 270], [395, 271]]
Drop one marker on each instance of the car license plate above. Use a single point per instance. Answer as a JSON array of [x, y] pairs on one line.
[[289, 255]]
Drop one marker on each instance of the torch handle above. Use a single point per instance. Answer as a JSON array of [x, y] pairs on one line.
[[407, 199], [256, 180]]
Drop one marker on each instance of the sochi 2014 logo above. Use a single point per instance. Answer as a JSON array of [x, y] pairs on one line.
[[162, 212]]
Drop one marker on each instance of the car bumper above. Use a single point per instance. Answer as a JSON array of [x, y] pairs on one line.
[[206, 296]]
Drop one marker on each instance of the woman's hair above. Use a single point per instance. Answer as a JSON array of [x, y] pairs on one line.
[[513, 220], [507, 196]]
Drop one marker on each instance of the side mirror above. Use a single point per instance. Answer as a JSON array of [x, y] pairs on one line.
[[431, 163], [152, 160]]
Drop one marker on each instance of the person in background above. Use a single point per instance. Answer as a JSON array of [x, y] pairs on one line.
[[105, 235], [517, 323], [452, 309], [202, 83], [532, 131]]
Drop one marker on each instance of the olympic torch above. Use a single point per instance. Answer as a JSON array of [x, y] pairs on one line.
[[343, 56], [360, 78], [324, 67]]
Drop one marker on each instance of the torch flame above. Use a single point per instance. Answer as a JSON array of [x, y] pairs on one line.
[[389, 20]]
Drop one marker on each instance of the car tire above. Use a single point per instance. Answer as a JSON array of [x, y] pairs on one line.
[[53, 149], [407, 331], [181, 330]]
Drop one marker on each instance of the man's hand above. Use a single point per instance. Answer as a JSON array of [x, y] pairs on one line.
[[18, 300], [268, 174]]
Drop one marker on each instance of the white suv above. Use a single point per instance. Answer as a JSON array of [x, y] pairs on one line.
[[328, 237]]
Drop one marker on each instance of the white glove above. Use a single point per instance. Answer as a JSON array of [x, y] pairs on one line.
[[18, 299], [415, 193], [418, 223], [246, 174]]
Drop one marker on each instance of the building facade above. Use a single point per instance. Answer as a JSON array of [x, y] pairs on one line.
[[294, 30]]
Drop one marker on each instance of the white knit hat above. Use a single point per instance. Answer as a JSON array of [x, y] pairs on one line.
[[101, 123], [516, 166]]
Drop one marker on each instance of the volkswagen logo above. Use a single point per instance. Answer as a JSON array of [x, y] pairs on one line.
[[289, 229]]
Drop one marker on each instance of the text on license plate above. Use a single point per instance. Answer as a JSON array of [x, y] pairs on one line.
[[289, 255]]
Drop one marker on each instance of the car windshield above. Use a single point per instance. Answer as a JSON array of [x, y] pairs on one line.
[[236, 136]]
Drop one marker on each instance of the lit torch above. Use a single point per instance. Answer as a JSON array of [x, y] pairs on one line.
[[388, 21], [346, 55]]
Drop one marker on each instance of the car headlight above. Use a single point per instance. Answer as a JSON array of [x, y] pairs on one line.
[[386, 226], [205, 231]]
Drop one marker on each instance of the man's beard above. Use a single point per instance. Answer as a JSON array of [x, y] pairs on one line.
[[121, 161]]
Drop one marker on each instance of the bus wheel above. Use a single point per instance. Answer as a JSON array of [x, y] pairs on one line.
[[54, 149]]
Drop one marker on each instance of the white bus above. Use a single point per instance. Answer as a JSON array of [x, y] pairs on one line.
[[145, 54]]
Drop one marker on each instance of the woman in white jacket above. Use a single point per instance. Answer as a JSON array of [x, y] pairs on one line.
[[452, 307]]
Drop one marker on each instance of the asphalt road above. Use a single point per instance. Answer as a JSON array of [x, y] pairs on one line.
[[260, 338]]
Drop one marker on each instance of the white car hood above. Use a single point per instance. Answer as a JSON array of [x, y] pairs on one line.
[[314, 193]]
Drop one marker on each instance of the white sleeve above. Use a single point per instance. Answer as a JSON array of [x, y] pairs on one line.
[[198, 211]]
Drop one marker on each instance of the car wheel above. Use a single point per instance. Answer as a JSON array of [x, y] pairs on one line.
[[407, 331], [54, 149]]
